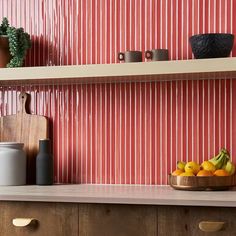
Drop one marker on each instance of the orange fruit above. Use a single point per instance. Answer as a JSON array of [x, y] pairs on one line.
[[187, 174], [221, 172], [177, 172], [204, 173]]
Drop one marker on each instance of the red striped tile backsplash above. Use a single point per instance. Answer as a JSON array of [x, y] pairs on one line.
[[130, 133]]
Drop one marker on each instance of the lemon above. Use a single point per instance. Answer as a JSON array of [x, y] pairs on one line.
[[192, 167], [181, 165], [207, 165]]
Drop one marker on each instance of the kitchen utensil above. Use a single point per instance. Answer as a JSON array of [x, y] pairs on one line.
[[201, 183], [25, 128], [211, 45]]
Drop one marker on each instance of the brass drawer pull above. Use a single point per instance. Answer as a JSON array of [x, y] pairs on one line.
[[22, 222], [211, 226]]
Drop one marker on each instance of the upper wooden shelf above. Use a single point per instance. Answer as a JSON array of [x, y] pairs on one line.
[[142, 71]]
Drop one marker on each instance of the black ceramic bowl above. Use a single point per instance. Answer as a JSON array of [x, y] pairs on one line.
[[211, 45]]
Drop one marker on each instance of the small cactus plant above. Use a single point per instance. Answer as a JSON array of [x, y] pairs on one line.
[[19, 43]]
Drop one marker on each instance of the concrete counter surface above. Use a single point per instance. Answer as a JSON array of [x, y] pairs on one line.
[[118, 194]]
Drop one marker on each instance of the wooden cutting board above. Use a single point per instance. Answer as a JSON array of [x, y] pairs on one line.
[[25, 128]]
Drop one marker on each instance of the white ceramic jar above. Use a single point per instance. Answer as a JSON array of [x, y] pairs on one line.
[[12, 164]]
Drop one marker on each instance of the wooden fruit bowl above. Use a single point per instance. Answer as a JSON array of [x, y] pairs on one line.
[[201, 183]]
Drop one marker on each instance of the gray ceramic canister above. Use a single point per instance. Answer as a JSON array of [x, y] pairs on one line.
[[12, 164]]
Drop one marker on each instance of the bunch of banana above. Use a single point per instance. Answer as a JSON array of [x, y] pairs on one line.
[[221, 159]]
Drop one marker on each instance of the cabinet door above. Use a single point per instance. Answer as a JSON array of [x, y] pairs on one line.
[[117, 220], [53, 219], [184, 221]]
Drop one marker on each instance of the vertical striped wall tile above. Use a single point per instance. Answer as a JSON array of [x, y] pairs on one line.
[[66, 32], [131, 133]]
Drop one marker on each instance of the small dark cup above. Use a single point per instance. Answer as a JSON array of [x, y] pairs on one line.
[[157, 55], [130, 56]]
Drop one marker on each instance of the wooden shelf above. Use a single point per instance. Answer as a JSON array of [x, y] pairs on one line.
[[143, 71]]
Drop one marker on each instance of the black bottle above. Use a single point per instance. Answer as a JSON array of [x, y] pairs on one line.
[[44, 163]]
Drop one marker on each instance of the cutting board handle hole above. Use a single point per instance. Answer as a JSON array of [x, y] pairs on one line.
[[24, 102]]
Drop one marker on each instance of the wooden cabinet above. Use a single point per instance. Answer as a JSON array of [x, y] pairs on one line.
[[68, 219], [184, 221], [122, 220], [53, 219], [112, 220], [71, 219]]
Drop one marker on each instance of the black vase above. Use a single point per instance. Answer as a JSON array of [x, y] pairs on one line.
[[44, 163]]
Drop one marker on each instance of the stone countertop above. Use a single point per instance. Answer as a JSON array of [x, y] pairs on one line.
[[118, 194]]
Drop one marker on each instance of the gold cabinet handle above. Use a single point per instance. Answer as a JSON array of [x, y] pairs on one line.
[[22, 222], [211, 226]]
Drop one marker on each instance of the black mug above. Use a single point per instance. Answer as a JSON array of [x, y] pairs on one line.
[[130, 56], [157, 55]]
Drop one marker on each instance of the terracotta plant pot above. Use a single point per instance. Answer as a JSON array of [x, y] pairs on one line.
[[5, 55]]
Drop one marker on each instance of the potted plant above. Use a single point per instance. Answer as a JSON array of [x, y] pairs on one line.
[[14, 43]]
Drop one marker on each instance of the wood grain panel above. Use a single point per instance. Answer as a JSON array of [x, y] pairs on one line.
[[62, 219], [117, 220], [184, 221], [53, 219]]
